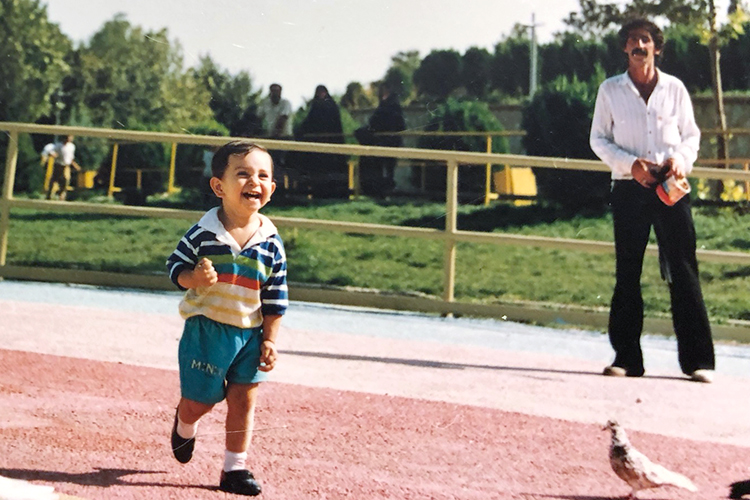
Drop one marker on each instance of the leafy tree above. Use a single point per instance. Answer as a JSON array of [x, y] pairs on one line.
[[408, 61], [476, 72], [439, 74], [399, 81], [32, 67], [125, 77], [575, 56], [684, 55], [130, 78], [736, 68], [400, 76], [32, 51], [356, 97], [233, 98], [509, 70]]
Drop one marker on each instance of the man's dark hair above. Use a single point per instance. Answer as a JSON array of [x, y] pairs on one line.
[[656, 33], [241, 147]]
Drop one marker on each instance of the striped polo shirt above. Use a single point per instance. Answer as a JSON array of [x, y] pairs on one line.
[[252, 280]]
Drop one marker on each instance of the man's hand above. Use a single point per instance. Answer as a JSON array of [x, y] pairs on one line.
[[643, 171], [676, 168], [268, 356]]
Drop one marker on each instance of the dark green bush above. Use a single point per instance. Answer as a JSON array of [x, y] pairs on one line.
[[189, 160], [557, 123]]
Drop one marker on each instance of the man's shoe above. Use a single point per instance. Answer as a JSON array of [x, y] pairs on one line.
[[704, 376], [614, 371], [181, 448], [619, 371], [239, 482]]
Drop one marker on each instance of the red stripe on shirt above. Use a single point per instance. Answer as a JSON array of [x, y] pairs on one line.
[[234, 279]]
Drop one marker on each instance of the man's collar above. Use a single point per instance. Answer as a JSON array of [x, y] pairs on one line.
[[626, 77]]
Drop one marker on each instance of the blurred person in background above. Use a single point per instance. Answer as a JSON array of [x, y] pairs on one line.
[[326, 174], [64, 154]]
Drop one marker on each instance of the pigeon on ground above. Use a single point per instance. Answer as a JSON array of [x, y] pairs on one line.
[[636, 469], [740, 489]]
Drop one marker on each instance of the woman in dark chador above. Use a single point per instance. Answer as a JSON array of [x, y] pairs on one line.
[[327, 173], [376, 173]]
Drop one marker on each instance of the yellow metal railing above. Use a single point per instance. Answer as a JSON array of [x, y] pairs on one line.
[[450, 235], [489, 194]]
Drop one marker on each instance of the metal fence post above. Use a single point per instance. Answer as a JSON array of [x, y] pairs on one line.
[[451, 225], [10, 176], [111, 190], [488, 174], [170, 185]]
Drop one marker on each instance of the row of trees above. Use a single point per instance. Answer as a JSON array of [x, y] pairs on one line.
[[589, 45], [125, 76], [128, 77]]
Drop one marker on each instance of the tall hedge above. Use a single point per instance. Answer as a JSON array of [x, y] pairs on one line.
[[557, 122]]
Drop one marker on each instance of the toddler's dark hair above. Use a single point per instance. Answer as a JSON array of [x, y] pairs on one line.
[[241, 147]]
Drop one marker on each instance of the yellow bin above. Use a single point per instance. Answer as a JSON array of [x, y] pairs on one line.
[[516, 181], [86, 179]]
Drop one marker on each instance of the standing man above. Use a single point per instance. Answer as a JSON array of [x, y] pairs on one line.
[[276, 114], [644, 130], [64, 154]]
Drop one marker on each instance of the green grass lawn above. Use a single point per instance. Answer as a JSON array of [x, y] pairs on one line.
[[485, 273]]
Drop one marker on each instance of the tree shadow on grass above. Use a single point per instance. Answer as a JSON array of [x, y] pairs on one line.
[[99, 477], [66, 216], [505, 216], [425, 363]]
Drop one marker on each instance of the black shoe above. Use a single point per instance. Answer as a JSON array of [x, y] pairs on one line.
[[740, 489], [239, 482], [181, 448]]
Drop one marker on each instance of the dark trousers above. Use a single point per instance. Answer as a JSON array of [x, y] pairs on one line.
[[635, 209]]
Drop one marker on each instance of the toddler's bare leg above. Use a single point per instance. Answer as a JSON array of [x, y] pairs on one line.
[[191, 411], [240, 416]]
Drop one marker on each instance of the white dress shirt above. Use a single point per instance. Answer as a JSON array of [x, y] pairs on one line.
[[625, 127], [270, 114], [66, 153]]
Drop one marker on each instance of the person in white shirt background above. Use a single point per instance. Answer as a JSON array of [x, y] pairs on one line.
[[644, 129], [64, 154], [276, 114]]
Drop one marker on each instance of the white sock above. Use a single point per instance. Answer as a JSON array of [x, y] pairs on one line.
[[234, 461], [186, 431]]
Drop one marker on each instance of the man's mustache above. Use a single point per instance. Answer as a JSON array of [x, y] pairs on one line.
[[638, 52]]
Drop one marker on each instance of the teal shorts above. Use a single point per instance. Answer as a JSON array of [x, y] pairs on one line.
[[213, 354]]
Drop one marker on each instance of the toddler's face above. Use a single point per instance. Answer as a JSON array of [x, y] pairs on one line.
[[247, 184]]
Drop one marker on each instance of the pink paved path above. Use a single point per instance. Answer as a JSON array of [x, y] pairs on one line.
[[87, 398]]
